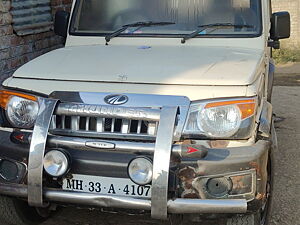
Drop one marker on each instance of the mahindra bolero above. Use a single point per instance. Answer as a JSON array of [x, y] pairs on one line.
[[159, 107]]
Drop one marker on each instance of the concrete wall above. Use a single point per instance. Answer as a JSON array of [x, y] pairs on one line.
[[293, 6], [16, 50]]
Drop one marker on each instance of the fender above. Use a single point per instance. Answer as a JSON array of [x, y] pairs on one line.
[[271, 79]]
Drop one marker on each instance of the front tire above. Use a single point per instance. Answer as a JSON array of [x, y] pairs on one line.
[[251, 219], [262, 217], [17, 212]]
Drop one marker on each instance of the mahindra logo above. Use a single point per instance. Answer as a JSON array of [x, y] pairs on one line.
[[116, 99]]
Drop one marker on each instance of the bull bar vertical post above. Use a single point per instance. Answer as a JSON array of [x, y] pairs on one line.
[[37, 151], [161, 162]]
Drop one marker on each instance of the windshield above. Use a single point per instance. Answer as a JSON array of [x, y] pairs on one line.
[[103, 17]]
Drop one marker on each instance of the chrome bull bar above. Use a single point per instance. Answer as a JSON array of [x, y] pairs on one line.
[[159, 204]]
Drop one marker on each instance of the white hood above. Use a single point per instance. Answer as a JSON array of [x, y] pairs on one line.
[[177, 65]]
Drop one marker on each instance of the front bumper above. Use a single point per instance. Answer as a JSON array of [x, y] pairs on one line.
[[177, 206], [187, 170], [217, 161]]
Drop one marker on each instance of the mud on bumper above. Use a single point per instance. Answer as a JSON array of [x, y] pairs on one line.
[[246, 167]]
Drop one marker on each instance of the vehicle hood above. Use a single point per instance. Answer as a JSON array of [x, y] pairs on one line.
[[178, 65]]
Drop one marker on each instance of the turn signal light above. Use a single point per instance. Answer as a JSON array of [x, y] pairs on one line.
[[247, 107], [6, 95]]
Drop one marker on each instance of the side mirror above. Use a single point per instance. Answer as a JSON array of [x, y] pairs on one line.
[[280, 28], [61, 23]]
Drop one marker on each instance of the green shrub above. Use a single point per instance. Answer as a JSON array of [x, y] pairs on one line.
[[286, 55]]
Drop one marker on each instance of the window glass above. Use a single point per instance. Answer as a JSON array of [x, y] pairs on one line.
[[106, 16]]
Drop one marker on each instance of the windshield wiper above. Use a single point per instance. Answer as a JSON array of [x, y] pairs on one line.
[[214, 25], [138, 24]]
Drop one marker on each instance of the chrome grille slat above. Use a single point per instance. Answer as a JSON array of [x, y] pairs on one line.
[[63, 122], [100, 124], [152, 128], [113, 125], [125, 126], [75, 122], [139, 127], [87, 123]]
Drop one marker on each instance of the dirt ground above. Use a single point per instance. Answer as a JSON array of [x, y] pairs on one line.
[[286, 207], [286, 204], [288, 75]]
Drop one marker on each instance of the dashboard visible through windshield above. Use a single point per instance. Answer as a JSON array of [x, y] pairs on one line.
[[103, 17]]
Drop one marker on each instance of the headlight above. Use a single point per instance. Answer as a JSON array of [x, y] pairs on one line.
[[140, 171], [56, 163], [221, 119], [21, 109]]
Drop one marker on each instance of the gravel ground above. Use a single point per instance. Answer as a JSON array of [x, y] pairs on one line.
[[286, 207]]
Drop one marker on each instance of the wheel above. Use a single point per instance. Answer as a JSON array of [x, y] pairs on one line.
[[263, 216], [17, 212], [252, 219]]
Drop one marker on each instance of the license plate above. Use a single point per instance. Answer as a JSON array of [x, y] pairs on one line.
[[106, 185]]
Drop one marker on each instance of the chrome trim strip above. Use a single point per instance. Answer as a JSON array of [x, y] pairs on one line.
[[183, 206], [100, 200], [98, 145], [176, 206], [122, 146], [161, 162], [91, 134], [37, 150], [73, 109], [83, 144]]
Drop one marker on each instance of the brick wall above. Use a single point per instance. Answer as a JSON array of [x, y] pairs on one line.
[[293, 6], [16, 50]]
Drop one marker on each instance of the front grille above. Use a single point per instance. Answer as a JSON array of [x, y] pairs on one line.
[[103, 127], [100, 125]]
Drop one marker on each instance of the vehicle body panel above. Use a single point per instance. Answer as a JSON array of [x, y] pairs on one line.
[[46, 87], [153, 65]]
